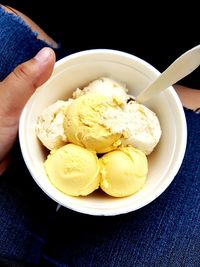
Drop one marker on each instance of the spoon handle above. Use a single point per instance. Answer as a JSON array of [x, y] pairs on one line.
[[180, 68]]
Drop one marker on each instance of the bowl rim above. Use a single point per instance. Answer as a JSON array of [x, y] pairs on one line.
[[159, 190]]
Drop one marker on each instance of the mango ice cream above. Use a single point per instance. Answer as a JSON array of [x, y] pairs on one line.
[[123, 171], [99, 138], [73, 170], [83, 123]]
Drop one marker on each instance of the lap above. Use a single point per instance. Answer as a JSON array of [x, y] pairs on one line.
[[25, 211], [164, 233]]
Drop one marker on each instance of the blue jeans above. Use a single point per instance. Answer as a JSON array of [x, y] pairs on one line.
[[164, 233]]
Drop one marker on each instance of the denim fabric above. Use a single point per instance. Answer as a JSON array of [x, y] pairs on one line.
[[164, 233], [18, 43], [25, 211]]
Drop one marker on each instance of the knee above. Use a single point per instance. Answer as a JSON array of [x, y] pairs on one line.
[[35, 28]]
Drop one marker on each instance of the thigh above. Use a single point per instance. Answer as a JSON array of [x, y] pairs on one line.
[[19, 43], [164, 233], [25, 211]]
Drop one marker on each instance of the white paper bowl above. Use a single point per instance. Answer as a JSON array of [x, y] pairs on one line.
[[78, 70]]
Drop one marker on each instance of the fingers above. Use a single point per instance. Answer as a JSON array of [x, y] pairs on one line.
[[16, 89]]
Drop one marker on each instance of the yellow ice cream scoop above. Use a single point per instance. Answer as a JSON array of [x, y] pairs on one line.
[[123, 171], [84, 123], [73, 170]]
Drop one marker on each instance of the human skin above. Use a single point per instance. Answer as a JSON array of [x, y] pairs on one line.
[[19, 85], [16, 89], [189, 97]]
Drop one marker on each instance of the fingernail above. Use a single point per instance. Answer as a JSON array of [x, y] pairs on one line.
[[43, 54]]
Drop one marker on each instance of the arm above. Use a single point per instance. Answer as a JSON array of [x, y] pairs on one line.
[[189, 97]]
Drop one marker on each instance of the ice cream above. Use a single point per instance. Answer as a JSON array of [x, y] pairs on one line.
[[83, 123], [123, 171], [143, 130], [49, 127], [73, 170], [100, 119], [138, 125], [97, 117], [105, 86]]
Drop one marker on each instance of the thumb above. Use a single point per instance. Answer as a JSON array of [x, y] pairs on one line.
[[19, 85]]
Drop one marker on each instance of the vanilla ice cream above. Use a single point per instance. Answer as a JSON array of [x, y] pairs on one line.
[[73, 170], [49, 127], [105, 86], [83, 123], [138, 125], [123, 171]]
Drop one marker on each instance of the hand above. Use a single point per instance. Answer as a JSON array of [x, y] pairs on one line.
[[15, 90]]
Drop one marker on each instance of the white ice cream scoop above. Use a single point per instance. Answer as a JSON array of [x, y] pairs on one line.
[[180, 68]]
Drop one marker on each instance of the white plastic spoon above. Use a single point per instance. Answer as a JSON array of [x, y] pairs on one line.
[[180, 68]]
